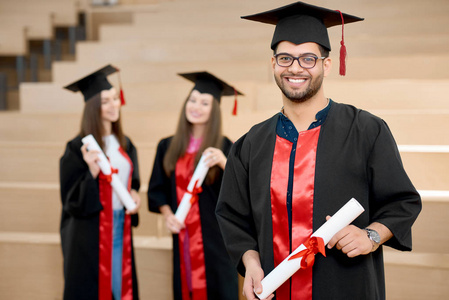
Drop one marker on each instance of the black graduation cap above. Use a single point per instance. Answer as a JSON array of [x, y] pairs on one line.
[[210, 84], [301, 22], [94, 83]]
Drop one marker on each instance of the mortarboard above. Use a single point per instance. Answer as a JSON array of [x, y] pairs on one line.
[[300, 22], [94, 83], [210, 84]]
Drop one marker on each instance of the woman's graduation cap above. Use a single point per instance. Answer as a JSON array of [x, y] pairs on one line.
[[300, 23], [210, 84], [96, 82]]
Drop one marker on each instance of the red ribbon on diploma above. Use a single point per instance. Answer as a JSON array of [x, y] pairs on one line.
[[195, 191], [313, 245], [108, 178]]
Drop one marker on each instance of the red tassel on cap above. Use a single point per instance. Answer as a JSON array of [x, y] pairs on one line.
[[122, 96], [343, 52], [234, 111]]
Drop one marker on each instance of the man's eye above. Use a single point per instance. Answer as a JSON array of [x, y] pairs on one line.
[[285, 58], [309, 59]]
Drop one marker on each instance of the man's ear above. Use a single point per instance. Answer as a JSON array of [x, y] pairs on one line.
[[327, 66]]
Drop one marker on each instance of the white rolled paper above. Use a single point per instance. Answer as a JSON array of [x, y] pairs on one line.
[[342, 218], [105, 168], [199, 175]]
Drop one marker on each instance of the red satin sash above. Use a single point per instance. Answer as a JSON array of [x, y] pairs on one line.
[[127, 266], [105, 241], [193, 279], [302, 207]]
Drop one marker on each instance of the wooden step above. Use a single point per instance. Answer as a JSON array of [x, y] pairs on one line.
[[408, 128], [416, 276], [146, 25], [380, 94], [408, 275], [427, 169], [36, 207], [40, 162], [38, 26], [64, 12], [431, 225], [260, 95], [35, 261]]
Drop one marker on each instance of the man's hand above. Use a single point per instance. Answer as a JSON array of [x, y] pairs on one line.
[[253, 276], [354, 241]]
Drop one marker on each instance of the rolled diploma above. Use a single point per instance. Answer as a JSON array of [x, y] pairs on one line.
[[105, 167], [199, 174], [342, 218]]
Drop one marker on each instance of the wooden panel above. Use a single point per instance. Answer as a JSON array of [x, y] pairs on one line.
[[38, 266], [416, 276], [13, 41], [34, 208], [65, 11], [39, 26]]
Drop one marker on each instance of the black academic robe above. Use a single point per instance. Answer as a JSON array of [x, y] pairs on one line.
[[221, 276], [356, 157], [80, 222]]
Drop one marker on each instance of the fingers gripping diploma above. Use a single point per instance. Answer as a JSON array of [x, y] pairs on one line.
[[351, 240], [91, 159], [253, 276]]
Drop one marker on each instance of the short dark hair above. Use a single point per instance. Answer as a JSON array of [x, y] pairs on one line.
[[324, 52]]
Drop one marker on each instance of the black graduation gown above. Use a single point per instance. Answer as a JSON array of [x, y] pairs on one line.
[[221, 276], [80, 222], [356, 157]]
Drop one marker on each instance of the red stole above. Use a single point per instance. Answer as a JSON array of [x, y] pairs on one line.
[[105, 242], [193, 269], [302, 207]]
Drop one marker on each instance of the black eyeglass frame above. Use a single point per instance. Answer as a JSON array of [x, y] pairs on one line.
[[297, 58]]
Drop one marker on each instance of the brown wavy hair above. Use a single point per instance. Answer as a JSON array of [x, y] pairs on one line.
[[91, 123], [212, 138]]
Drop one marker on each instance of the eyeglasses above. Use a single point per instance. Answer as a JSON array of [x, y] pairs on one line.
[[305, 61]]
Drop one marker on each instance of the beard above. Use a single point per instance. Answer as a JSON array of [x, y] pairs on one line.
[[300, 96]]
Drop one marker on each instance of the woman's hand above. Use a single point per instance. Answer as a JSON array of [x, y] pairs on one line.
[[91, 158], [172, 223], [215, 157], [136, 198]]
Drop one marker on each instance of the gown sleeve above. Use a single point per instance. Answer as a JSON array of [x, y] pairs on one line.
[[79, 190], [233, 209], [159, 186], [396, 202]]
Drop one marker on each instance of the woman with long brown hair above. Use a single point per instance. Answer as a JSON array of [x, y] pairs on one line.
[[201, 267], [96, 235]]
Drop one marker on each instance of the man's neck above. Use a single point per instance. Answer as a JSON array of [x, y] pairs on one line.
[[303, 114]]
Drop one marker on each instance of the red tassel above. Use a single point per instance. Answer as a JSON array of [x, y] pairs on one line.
[[342, 59], [234, 111], [122, 96], [343, 52]]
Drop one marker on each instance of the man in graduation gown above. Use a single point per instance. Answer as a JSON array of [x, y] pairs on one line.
[[289, 173]]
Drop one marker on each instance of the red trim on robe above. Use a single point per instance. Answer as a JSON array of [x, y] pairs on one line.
[[105, 241], [127, 267], [193, 286], [302, 207]]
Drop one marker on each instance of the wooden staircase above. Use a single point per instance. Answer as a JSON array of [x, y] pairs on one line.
[[397, 69]]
